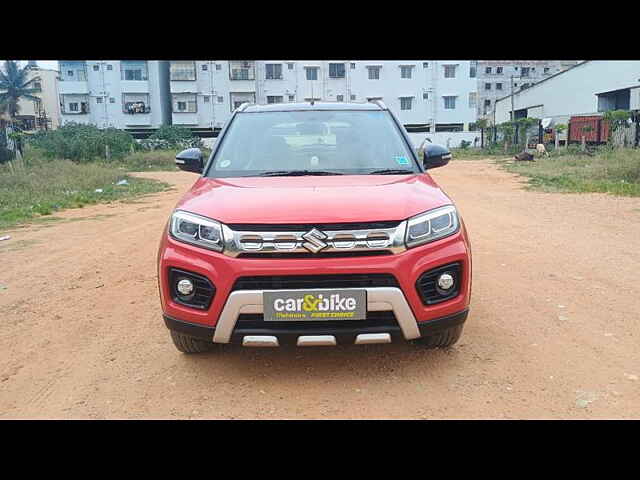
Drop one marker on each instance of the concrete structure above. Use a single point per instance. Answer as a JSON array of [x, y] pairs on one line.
[[43, 114], [131, 95], [494, 78], [587, 88], [204, 93]]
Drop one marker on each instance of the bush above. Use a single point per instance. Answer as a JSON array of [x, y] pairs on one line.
[[169, 137], [83, 143], [464, 144]]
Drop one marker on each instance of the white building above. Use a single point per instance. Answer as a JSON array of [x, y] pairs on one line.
[[425, 95], [127, 94], [587, 88]]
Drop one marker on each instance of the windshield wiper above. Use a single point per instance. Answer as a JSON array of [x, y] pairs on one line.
[[296, 173], [392, 171]]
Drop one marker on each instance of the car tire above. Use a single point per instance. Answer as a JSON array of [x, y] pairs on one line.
[[187, 344], [443, 339]]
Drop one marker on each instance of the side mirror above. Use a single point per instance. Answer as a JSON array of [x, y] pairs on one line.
[[190, 160], [434, 156]]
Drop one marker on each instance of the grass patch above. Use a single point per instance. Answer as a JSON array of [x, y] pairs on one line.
[[43, 187], [609, 171], [154, 161]]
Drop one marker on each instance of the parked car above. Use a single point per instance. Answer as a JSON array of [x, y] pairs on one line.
[[314, 224]]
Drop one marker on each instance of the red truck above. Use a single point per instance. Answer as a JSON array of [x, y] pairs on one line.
[[314, 224]]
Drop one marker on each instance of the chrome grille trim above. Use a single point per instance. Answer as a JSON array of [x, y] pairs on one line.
[[377, 239]]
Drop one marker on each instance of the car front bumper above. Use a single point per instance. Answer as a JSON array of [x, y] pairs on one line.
[[410, 317]]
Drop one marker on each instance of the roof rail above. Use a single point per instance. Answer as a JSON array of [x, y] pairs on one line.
[[380, 103], [242, 107]]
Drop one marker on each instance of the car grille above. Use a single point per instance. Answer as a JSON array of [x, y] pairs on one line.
[[344, 239], [295, 282], [430, 293]]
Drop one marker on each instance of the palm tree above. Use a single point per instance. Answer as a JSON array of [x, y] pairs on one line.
[[14, 86]]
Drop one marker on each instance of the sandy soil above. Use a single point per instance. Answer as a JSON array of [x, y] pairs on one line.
[[553, 332]]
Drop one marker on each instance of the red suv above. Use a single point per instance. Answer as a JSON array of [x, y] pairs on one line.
[[314, 224]]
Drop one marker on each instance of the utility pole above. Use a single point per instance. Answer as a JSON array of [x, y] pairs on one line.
[[513, 116]]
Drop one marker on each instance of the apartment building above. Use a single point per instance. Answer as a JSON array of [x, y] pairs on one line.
[[44, 113], [494, 78], [425, 95], [126, 94]]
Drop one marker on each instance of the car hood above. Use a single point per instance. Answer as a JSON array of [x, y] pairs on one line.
[[313, 199]]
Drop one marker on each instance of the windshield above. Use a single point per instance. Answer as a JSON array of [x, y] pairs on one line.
[[347, 142]]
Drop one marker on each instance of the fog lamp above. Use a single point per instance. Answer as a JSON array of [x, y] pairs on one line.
[[445, 281], [185, 287]]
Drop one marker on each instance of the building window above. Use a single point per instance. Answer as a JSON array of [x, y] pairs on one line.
[[487, 70], [109, 67], [405, 103], [205, 67], [487, 86], [98, 99], [112, 100], [498, 86], [206, 99], [74, 103], [336, 70], [273, 71], [239, 98], [450, 71], [449, 127], [353, 97], [449, 103], [405, 72], [135, 103], [546, 70], [524, 72], [37, 86], [218, 66], [374, 72], [499, 70], [220, 99], [274, 99], [183, 71], [515, 84], [292, 98], [290, 66], [312, 72], [473, 97], [473, 69], [487, 103], [516, 68], [339, 98], [242, 70], [425, 64], [133, 70], [96, 68], [73, 71], [185, 103], [353, 66], [425, 96]]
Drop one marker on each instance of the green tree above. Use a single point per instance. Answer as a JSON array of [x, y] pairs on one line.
[[15, 86]]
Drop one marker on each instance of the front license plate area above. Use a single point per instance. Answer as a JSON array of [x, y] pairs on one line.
[[314, 305]]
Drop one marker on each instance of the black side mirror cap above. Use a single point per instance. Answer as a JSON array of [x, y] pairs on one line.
[[434, 156], [190, 160]]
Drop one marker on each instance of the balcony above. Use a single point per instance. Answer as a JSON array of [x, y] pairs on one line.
[[74, 104], [183, 71]]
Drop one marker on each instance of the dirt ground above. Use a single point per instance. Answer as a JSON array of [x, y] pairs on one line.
[[553, 332]]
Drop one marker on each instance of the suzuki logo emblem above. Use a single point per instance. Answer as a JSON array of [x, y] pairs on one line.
[[314, 241]]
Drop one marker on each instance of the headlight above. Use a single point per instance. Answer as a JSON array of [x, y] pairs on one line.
[[197, 230], [433, 225]]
